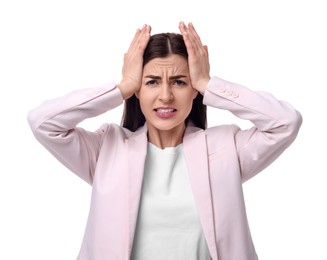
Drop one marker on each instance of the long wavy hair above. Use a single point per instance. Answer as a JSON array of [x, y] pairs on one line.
[[160, 46]]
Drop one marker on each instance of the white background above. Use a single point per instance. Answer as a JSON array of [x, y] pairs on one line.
[[49, 48]]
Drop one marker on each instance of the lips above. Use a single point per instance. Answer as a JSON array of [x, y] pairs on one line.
[[165, 112]]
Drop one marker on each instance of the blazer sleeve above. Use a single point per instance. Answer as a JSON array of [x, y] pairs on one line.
[[54, 125], [276, 123]]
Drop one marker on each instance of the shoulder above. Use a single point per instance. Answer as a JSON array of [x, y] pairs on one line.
[[221, 132], [115, 130], [112, 129], [216, 138], [212, 133], [222, 136], [221, 129]]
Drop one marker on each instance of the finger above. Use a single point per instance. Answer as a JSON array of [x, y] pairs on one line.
[[191, 38], [206, 49], [195, 35], [182, 28], [145, 36], [189, 33], [136, 36], [186, 36], [196, 40], [141, 38]]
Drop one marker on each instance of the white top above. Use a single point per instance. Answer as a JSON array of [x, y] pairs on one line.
[[168, 226]]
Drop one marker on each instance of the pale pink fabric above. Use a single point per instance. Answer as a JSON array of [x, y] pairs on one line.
[[219, 160]]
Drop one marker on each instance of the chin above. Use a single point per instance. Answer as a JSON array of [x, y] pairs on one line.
[[167, 126]]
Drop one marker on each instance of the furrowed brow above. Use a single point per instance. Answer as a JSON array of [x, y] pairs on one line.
[[171, 78], [177, 77], [152, 77]]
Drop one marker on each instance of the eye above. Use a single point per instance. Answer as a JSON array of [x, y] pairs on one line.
[[151, 82], [179, 83]]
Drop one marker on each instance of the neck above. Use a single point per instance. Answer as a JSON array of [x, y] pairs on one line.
[[166, 138]]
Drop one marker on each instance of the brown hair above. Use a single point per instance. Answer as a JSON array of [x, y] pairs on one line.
[[160, 46]]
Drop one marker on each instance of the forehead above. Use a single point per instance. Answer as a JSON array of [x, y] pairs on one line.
[[174, 62]]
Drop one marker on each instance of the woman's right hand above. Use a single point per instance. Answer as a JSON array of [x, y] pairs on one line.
[[133, 63]]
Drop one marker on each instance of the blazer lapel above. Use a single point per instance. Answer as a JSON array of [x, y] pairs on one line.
[[136, 149], [195, 150]]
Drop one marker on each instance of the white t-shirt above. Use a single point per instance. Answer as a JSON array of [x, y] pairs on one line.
[[168, 225]]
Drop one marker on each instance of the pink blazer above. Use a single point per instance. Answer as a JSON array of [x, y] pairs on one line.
[[219, 160]]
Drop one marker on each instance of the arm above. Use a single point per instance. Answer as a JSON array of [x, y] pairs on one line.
[[276, 123], [54, 124]]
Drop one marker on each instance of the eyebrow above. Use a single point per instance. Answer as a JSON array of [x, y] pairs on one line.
[[171, 78]]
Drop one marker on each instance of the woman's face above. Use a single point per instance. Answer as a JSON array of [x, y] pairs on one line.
[[166, 94]]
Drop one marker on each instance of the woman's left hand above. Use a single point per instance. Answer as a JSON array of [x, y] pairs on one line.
[[198, 57]]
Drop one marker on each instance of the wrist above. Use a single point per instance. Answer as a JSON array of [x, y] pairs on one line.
[[126, 89], [202, 85], [125, 94]]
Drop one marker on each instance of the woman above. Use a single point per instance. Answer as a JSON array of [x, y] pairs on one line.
[[163, 185]]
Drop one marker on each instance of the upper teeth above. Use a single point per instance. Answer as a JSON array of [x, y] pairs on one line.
[[163, 110]]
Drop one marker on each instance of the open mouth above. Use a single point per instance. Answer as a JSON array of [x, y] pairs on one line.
[[165, 112]]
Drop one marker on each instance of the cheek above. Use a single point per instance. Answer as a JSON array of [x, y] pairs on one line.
[[186, 103], [189, 97], [145, 102]]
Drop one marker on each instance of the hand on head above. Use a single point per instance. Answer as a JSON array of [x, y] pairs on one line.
[[133, 62], [198, 57], [198, 60]]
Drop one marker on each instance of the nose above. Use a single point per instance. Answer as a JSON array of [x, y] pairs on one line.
[[166, 94]]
